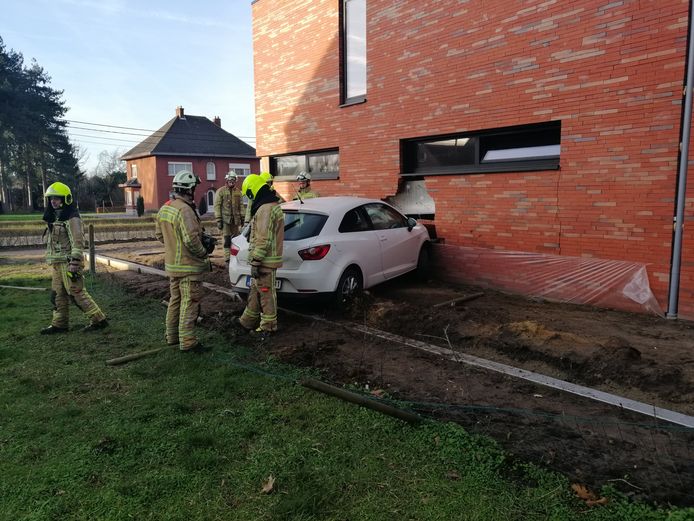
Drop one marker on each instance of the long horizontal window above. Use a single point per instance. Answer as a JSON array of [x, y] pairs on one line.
[[521, 148], [321, 165], [175, 168]]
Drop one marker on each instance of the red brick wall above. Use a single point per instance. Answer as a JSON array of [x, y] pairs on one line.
[[611, 71], [146, 175]]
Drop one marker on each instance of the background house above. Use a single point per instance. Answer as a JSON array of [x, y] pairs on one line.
[[185, 142], [542, 127]]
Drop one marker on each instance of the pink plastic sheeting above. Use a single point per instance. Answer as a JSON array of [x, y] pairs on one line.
[[598, 282]]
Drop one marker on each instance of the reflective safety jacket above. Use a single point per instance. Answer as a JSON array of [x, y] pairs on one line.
[[306, 194], [227, 205], [178, 226], [65, 241], [267, 236]]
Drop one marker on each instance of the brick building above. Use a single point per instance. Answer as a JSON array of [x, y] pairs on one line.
[[542, 127], [185, 142]]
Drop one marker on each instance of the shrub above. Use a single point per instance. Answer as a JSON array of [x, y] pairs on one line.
[[140, 206], [202, 207]]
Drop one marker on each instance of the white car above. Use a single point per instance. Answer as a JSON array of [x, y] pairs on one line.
[[339, 246]]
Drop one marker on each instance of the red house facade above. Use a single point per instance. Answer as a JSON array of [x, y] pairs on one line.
[[544, 129], [192, 143]]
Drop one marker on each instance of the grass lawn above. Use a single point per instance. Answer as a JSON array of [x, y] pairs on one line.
[[197, 437]]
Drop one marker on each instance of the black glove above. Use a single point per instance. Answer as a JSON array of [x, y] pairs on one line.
[[208, 242], [255, 271], [74, 265], [220, 225]]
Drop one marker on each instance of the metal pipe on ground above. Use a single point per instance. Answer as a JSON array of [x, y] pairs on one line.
[[24, 288], [349, 396]]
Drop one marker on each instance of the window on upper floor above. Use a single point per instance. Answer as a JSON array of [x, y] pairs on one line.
[[175, 167], [240, 169], [352, 51], [508, 149], [133, 171], [324, 164], [211, 171]]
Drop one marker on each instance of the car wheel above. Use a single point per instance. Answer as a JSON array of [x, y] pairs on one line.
[[424, 263], [349, 287]]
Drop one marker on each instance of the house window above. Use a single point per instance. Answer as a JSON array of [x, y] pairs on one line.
[[353, 51], [211, 171], [240, 169], [509, 149], [321, 165], [210, 199], [175, 168], [133, 171]]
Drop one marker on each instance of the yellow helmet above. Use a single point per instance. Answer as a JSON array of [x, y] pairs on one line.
[[267, 176], [251, 185], [59, 189]]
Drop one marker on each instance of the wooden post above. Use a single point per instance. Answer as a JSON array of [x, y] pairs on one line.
[[92, 253], [349, 396]]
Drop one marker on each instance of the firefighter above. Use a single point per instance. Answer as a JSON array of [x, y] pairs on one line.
[[269, 180], [186, 258], [265, 256], [64, 254], [304, 191], [227, 211]]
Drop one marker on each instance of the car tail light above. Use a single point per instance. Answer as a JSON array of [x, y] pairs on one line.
[[234, 250], [314, 252]]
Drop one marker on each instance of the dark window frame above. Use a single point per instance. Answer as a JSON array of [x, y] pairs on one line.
[[344, 100], [306, 156], [481, 141]]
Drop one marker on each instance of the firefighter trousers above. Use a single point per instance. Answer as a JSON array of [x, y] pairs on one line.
[[66, 286], [261, 308], [184, 308]]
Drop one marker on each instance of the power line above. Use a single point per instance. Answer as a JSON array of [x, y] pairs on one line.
[[106, 138], [127, 128]]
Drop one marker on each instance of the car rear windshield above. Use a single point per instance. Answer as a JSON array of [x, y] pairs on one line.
[[300, 225]]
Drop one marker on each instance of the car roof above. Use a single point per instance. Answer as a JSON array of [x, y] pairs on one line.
[[329, 205]]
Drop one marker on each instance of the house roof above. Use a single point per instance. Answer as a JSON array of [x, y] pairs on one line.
[[191, 136]]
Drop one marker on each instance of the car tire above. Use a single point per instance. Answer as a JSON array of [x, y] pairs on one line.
[[423, 271], [349, 287]]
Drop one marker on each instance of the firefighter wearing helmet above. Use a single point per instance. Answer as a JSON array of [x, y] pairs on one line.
[[64, 254], [264, 256], [186, 250], [227, 211], [269, 180], [304, 191]]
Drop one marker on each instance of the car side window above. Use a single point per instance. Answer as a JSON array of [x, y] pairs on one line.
[[384, 217], [353, 221]]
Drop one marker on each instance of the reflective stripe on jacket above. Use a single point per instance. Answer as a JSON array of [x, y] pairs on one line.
[[65, 241], [178, 226], [267, 236]]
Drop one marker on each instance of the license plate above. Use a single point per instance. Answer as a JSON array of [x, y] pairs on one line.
[[278, 282]]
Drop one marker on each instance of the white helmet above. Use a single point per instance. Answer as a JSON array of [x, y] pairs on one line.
[[185, 180], [231, 176], [303, 176]]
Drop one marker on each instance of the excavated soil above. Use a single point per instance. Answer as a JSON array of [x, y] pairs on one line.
[[642, 357]]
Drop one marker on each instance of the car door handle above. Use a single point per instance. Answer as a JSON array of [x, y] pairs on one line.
[[383, 237]]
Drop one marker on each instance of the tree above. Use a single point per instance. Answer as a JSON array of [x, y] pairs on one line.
[[34, 146]]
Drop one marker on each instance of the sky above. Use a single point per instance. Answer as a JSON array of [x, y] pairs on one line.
[[130, 63]]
